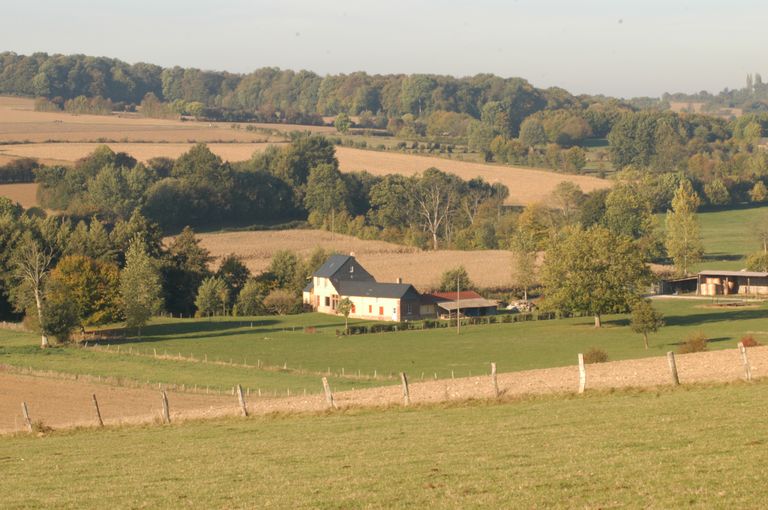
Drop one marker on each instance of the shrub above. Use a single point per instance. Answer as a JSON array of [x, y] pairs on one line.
[[749, 341], [595, 355], [696, 342], [282, 302]]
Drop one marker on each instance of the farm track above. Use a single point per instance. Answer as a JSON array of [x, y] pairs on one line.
[[67, 403]]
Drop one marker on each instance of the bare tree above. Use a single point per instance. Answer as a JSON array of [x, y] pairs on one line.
[[435, 195], [31, 267]]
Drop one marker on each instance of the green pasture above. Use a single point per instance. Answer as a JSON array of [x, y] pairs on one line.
[[283, 342], [691, 447], [729, 236]]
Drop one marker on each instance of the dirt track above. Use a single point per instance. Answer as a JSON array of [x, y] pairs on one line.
[[66, 403]]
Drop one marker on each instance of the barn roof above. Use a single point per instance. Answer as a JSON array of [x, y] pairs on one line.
[[331, 266], [748, 274], [374, 289], [451, 296], [469, 303]]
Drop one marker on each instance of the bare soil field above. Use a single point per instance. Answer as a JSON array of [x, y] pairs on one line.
[[526, 185], [68, 403], [25, 194], [386, 261], [62, 402]]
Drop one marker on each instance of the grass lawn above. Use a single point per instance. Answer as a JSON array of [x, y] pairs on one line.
[[697, 447], [728, 235], [275, 342]]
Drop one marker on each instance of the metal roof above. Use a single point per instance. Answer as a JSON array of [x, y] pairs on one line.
[[373, 289], [331, 266], [469, 303], [748, 274]]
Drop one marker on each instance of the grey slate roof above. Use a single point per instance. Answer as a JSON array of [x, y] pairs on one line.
[[310, 286], [331, 266], [374, 289]]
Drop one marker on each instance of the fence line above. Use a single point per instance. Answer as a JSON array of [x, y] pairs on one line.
[[238, 393]]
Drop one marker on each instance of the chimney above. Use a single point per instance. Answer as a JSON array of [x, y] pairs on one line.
[[399, 280], [351, 254]]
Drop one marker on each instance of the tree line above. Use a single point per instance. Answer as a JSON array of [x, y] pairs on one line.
[[62, 277], [300, 180]]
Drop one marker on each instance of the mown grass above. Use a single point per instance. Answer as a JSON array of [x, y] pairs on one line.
[[698, 447], [281, 341], [729, 236]]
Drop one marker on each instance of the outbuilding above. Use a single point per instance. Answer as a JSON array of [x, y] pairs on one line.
[[725, 283]]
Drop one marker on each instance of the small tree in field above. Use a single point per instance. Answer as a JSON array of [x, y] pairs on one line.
[[645, 319], [345, 308]]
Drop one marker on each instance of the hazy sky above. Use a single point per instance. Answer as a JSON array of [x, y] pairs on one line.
[[616, 47]]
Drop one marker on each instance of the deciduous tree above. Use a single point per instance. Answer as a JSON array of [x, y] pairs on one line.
[[645, 319], [140, 287], [593, 271], [683, 240]]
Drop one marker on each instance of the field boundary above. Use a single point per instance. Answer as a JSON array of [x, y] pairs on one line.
[[724, 366]]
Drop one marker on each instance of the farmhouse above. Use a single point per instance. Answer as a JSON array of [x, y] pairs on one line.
[[342, 276], [724, 283]]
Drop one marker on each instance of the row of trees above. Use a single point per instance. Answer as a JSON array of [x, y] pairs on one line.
[[298, 181], [62, 277]]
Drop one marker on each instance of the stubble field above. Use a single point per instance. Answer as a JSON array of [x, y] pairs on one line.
[[62, 138], [386, 261]]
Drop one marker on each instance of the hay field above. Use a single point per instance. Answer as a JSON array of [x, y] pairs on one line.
[[19, 122], [25, 194], [148, 138], [386, 261], [68, 153], [526, 185]]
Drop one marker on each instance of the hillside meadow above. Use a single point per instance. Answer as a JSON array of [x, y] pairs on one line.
[[696, 447], [297, 350]]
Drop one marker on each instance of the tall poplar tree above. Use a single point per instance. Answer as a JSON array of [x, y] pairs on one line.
[[140, 287], [683, 240]]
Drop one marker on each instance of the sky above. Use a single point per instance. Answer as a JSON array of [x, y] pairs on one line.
[[622, 48]]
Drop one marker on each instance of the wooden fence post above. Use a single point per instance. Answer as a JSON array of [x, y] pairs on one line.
[[241, 399], [745, 362], [673, 368], [166, 408], [98, 412], [582, 374], [406, 393], [25, 412], [328, 394], [494, 380]]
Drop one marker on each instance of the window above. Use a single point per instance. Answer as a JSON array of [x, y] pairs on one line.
[[409, 308], [381, 310], [353, 308], [370, 308], [327, 301]]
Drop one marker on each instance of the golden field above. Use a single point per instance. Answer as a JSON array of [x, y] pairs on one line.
[[25, 194], [386, 261], [62, 138]]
